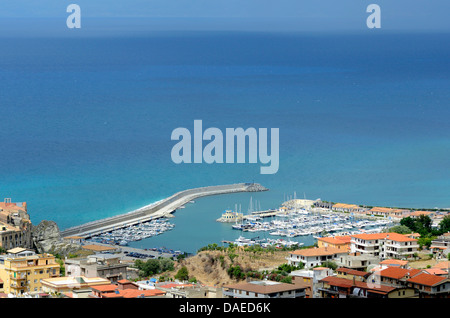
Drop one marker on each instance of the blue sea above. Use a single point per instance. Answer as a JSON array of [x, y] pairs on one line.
[[86, 121]]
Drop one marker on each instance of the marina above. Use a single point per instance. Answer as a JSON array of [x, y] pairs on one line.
[[304, 223], [133, 233]]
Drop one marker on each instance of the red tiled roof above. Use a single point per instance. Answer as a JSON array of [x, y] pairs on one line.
[[104, 288], [397, 273], [134, 293], [394, 261], [319, 251], [435, 271], [347, 283], [427, 279], [380, 236], [336, 240]]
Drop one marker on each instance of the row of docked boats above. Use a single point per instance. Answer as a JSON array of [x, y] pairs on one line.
[[133, 233], [277, 243], [303, 224]]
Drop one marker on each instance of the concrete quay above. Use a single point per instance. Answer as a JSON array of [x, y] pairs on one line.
[[162, 208]]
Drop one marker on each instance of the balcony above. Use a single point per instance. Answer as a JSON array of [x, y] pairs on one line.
[[17, 276]]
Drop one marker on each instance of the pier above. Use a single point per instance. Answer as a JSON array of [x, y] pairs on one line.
[[162, 208]]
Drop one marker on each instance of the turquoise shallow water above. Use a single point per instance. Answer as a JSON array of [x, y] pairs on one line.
[[86, 121]]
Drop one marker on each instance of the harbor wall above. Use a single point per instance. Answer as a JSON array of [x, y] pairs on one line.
[[157, 209]]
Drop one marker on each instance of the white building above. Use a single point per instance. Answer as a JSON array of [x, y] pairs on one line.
[[384, 245], [316, 256]]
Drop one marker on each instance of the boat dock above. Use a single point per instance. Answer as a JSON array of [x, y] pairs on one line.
[[162, 208]]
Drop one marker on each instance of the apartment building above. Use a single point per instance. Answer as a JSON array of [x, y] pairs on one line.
[[15, 225], [99, 265], [312, 257], [384, 245], [22, 270], [340, 242]]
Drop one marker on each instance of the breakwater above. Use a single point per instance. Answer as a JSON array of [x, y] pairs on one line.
[[162, 208]]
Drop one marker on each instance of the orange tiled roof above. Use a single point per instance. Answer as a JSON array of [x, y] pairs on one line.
[[427, 279], [318, 251], [443, 264], [394, 261], [104, 288], [435, 271], [379, 236], [397, 273], [134, 293], [337, 240], [345, 206], [347, 283], [417, 213]]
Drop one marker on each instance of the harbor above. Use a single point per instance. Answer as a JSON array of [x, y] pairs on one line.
[[290, 224], [133, 233]]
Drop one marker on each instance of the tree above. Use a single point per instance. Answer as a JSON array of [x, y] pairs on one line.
[[400, 229], [182, 274], [330, 264], [423, 224], [444, 225], [409, 223]]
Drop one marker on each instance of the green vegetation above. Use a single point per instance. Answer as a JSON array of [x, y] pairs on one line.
[[400, 229], [328, 264], [281, 274], [182, 274], [153, 266], [422, 225]]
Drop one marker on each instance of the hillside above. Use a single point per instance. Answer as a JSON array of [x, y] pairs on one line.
[[210, 267]]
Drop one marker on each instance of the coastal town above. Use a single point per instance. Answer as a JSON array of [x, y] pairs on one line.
[[358, 252]]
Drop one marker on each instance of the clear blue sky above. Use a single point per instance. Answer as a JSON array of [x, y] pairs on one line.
[[295, 14]]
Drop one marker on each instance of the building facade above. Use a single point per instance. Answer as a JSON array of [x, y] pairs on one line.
[[22, 271]]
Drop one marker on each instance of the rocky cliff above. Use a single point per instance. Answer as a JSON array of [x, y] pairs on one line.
[[47, 239]]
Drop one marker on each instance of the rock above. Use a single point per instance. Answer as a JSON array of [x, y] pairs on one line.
[[47, 238]]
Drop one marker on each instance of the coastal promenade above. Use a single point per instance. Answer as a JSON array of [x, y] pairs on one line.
[[162, 208]]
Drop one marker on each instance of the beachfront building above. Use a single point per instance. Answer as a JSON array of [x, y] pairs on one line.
[[349, 208], [22, 271], [417, 214], [15, 225], [106, 266], [315, 256], [264, 289], [388, 212], [384, 245]]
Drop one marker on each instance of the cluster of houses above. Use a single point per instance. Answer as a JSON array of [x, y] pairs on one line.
[[393, 213], [368, 266]]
